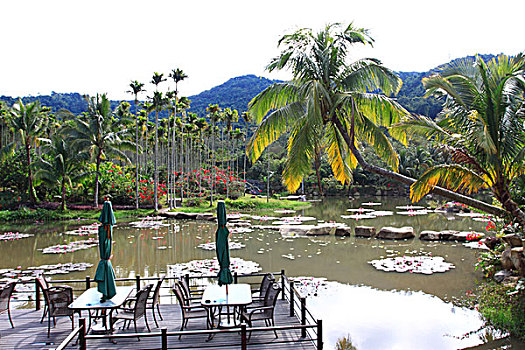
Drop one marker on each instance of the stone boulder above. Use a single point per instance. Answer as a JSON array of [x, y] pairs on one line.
[[343, 231], [387, 232], [506, 262], [518, 259], [447, 235], [430, 236], [501, 275], [365, 231], [306, 230], [513, 240]]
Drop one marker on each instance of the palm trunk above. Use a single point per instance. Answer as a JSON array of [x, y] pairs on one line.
[[317, 164], [155, 160], [30, 186], [97, 170], [63, 192], [409, 181], [137, 163], [502, 194]]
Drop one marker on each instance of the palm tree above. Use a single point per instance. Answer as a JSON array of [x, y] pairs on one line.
[[481, 126], [328, 104], [96, 136], [28, 121], [158, 103], [136, 89], [177, 75], [246, 117], [213, 115], [65, 160]]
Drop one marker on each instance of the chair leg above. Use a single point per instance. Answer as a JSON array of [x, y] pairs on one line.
[[44, 313], [135, 324], [154, 318], [48, 325], [146, 321], [274, 331], [181, 328], [10, 319], [158, 311]]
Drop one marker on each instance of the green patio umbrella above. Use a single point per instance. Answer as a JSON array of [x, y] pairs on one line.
[[105, 276], [223, 250]]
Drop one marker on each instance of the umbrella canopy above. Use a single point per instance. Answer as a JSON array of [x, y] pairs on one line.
[[105, 276], [221, 245]]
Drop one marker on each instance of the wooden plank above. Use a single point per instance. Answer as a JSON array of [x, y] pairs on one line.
[[29, 333]]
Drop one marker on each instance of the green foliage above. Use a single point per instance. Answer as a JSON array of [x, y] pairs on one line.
[[344, 343], [501, 305], [26, 214]]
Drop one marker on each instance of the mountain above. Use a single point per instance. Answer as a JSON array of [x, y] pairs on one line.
[[237, 92]]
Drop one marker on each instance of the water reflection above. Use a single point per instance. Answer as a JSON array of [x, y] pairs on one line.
[[378, 319]]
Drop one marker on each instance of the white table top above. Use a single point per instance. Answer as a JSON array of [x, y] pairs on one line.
[[238, 294], [90, 299]]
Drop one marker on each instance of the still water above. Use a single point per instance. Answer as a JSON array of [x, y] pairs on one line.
[[378, 310]]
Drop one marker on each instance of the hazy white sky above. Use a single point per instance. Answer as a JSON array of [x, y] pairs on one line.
[[99, 46]]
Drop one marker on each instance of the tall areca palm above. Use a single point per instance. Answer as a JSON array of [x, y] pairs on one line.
[[158, 103], [328, 105], [96, 136], [136, 89], [481, 125], [28, 122], [177, 75], [65, 160]]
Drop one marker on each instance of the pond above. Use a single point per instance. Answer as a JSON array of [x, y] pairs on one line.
[[377, 309]]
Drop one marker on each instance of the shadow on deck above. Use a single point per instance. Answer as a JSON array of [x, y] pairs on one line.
[[29, 333]]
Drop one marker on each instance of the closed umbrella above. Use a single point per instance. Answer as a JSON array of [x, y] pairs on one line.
[[105, 276], [221, 245]]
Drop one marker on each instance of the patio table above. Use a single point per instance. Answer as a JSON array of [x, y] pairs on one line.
[[214, 296], [90, 301]]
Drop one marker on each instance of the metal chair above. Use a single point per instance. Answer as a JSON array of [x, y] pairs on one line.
[[259, 295], [57, 301], [187, 291], [42, 283], [189, 311], [154, 301], [265, 312], [134, 308], [5, 297]]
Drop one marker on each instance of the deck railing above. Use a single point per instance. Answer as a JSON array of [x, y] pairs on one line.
[[310, 327]]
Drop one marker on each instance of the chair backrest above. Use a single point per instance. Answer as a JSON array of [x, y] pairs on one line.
[[183, 283], [58, 300], [156, 292], [141, 300], [271, 298], [5, 296], [267, 280], [177, 290], [44, 286]]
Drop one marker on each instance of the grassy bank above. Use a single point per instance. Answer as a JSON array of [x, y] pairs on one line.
[[26, 214], [246, 203], [242, 204]]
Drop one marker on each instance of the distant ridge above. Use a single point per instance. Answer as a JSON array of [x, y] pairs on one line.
[[237, 92]]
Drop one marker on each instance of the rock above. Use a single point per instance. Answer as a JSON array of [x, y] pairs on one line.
[[460, 236], [429, 236], [518, 259], [447, 235], [304, 230], [501, 275], [396, 232], [492, 242], [513, 240], [506, 262], [343, 231], [365, 231]]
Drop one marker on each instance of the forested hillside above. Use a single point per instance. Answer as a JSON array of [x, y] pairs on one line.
[[237, 92]]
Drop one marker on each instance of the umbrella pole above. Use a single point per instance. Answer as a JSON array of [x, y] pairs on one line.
[[228, 307]]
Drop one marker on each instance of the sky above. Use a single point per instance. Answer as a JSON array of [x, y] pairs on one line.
[[100, 46]]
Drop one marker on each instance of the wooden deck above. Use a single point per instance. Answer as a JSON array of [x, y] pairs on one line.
[[29, 333]]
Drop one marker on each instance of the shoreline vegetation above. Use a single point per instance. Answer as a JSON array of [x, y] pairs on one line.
[[247, 203]]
